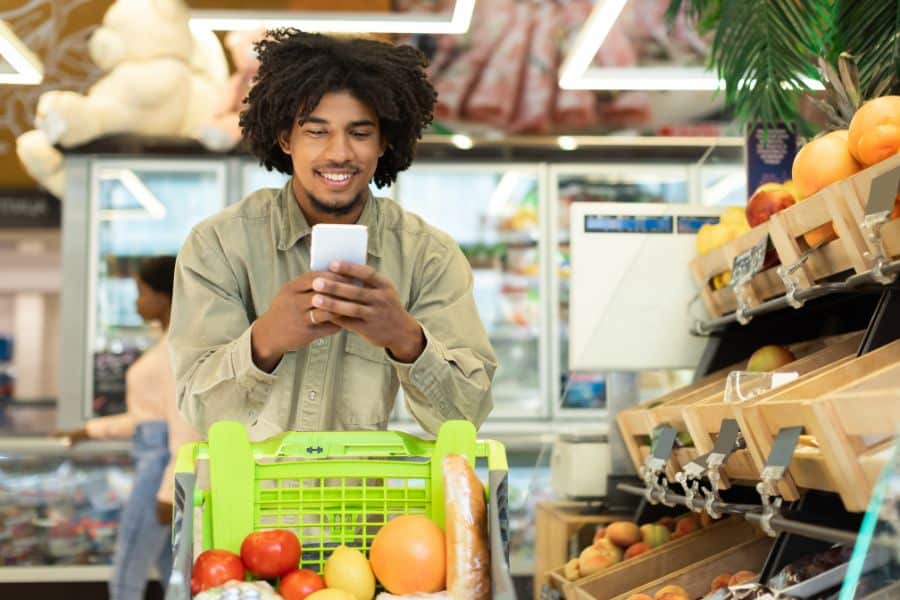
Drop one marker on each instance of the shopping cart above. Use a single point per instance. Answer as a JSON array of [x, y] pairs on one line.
[[330, 488]]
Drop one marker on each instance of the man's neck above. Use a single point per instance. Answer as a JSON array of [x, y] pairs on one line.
[[315, 217]]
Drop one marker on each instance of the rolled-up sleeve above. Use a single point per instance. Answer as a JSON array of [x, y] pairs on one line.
[[452, 377], [209, 338]]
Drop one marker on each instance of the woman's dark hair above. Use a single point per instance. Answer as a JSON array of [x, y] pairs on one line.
[[296, 69], [158, 273]]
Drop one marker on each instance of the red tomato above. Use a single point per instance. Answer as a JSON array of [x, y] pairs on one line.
[[215, 567], [297, 585], [271, 553]]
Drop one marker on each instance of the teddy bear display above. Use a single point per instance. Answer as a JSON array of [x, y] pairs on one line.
[[159, 81], [223, 132]]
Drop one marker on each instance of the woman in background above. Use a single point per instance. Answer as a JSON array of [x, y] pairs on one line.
[[157, 430]]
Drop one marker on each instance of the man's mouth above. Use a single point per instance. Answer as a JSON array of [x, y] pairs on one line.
[[336, 179]]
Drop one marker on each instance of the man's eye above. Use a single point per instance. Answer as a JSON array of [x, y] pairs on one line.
[[361, 135], [316, 132]]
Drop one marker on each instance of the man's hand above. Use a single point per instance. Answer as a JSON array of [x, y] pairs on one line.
[[289, 323], [372, 309], [164, 512]]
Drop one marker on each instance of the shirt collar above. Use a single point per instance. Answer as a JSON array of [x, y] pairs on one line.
[[294, 226]]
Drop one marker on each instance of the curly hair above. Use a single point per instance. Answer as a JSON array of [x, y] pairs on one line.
[[297, 68]]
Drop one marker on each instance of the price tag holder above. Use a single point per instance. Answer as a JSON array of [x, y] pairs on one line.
[[727, 441], [782, 452], [662, 447], [749, 263], [884, 190]]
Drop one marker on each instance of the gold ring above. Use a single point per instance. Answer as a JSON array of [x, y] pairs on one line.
[[312, 318]]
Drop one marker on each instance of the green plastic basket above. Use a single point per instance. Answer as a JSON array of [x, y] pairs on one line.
[[330, 488]]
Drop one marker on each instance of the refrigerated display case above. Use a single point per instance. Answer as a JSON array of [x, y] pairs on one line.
[[493, 212], [138, 211], [60, 508]]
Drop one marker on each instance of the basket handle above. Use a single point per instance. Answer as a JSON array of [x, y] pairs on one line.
[[502, 587], [343, 444], [179, 586]]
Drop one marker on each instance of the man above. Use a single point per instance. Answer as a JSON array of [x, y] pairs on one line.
[[258, 338]]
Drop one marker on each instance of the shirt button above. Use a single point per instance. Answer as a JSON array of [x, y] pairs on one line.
[[312, 395], [319, 342], [251, 413]]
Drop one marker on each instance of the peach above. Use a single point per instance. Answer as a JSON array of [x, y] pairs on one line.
[[668, 522], [606, 545], [599, 535], [767, 200], [741, 577], [593, 560], [672, 592], [623, 533], [706, 520], [769, 358], [637, 549], [685, 526], [720, 582], [571, 570], [655, 535]]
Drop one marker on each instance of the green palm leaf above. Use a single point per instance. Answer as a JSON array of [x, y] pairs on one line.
[[870, 30], [765, 50]]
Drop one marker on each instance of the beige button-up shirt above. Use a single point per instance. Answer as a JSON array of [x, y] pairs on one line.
[[232, 266]]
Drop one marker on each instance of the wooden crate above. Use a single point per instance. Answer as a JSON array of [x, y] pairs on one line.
[[696, 579], [636, 424], [837, 406], [556, 523], [841, 205], [704, 418], [764, 285], [666, 559]]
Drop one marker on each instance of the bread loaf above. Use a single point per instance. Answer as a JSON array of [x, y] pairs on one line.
[[468, 552]]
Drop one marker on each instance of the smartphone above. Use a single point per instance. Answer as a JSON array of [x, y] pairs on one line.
[[346, 243]]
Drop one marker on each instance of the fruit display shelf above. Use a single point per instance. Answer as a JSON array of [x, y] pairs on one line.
[[747, 556], [636, 424], [822, 246], [622, 577], [850, 411], [704, 418]]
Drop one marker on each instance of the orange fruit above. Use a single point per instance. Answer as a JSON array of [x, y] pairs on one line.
[[874, 133], [823, 161], [408, 556]]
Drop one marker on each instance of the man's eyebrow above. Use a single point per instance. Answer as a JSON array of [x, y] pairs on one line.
[[316, 120], [363, 123]]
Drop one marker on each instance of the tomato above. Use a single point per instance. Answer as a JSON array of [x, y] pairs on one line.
[[215, 567], [268, 554], [297, 585]]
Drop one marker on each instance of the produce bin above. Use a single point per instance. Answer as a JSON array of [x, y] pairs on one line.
[[330, 488]]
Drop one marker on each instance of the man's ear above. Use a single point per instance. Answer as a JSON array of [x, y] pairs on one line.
[[284, 142], [384, 146]]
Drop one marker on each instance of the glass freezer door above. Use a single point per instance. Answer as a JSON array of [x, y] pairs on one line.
[[493, 213], [140, 210]]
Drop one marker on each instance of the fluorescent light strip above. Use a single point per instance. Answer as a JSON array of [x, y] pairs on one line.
[[29, 70], [336, 22], [576, 72], [132, 183]]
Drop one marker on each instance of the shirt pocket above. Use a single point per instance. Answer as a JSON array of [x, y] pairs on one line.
[[368, 386]]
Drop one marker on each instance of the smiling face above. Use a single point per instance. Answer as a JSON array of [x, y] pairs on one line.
[[334, 153]]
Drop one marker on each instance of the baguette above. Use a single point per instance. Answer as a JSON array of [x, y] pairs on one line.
[[468, 552]]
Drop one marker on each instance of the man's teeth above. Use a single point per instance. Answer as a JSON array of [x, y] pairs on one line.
[[336, 176]]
